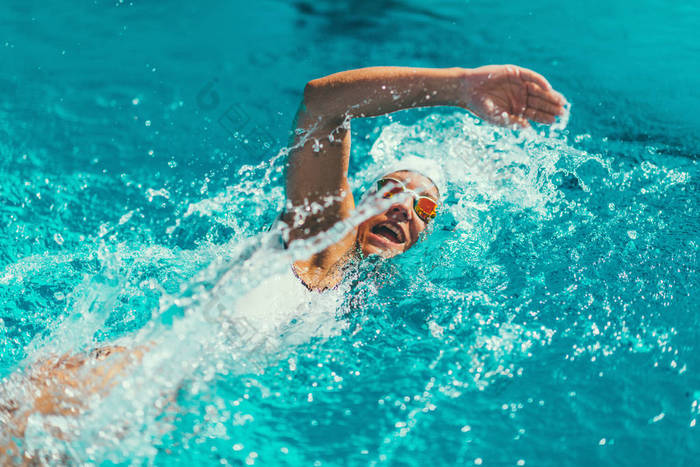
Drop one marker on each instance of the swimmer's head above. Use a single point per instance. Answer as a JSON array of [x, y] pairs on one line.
[[428, 168], [399, 228]]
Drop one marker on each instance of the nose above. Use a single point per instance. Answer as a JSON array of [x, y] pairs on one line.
[[400, 211]]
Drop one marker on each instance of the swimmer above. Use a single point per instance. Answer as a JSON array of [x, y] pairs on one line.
[[317, 171]]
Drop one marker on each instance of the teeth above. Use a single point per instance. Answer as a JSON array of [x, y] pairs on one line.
[[394, 229]]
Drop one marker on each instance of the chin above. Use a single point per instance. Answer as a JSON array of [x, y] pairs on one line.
[[371, 244], [368, 250]]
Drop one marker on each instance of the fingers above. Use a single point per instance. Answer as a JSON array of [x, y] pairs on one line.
[[536, 78], [530, 97], [550, 95], [543, 105], [540, 116]]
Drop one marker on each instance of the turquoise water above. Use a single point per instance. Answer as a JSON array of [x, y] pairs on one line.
[[547, 320]]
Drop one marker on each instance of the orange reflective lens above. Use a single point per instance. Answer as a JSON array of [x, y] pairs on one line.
[[425, 207]]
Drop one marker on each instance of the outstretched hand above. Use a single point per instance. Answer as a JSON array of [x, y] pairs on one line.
[[509, 94]]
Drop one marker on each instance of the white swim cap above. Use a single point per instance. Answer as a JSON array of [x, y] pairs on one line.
[[427, 167]]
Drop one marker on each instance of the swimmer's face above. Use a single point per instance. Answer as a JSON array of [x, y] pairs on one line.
[[397, 229]]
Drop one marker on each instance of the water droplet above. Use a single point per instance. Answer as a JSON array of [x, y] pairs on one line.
[[125, 218]]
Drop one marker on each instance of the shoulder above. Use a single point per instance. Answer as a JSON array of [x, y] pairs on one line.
[[325, 270]]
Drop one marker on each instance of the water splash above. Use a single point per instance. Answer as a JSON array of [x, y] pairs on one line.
[[517, 271]]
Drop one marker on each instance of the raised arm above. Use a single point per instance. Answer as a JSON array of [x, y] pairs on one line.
[[318, 163]]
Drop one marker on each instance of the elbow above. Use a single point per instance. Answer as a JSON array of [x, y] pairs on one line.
[[313, 87], [313, 100], [322, 104]]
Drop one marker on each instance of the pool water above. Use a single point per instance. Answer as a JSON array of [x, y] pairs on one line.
[[548, 319]]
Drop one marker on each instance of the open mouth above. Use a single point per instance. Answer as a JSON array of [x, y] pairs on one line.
[[389, 231]]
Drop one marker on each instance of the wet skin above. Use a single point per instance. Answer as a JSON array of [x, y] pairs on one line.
[[398, 228], [319, 158]]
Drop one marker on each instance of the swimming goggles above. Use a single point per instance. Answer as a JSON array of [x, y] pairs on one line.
[[425, 207]]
